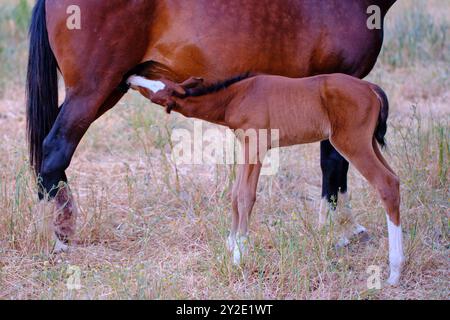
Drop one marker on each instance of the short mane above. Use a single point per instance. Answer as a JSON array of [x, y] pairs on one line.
[[218, 86]]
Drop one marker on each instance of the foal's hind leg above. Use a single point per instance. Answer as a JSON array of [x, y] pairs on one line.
[[380, 157], [366, 160]]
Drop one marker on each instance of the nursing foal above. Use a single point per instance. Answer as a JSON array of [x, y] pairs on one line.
[[351, 113]]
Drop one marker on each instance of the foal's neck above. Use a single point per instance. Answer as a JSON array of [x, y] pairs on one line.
[[211, 107]]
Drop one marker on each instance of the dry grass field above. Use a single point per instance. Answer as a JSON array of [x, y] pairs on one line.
[[148, 229]]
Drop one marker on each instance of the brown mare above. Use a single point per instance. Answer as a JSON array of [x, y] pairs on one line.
[[214, 39], [351, 113]]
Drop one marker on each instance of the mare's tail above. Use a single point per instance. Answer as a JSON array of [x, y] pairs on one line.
[[42, 86]]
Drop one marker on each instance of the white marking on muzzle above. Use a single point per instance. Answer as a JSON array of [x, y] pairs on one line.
[[151, 85]]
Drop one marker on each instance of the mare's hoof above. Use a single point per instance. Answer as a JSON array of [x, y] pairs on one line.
[[360, 234], [342, 243], [363, 236], [60, 247]]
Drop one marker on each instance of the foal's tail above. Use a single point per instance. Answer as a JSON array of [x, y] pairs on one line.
[[381, 129], [42, 85]]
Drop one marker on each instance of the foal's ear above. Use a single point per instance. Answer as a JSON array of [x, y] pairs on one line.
[[192, 82], [179, 90]]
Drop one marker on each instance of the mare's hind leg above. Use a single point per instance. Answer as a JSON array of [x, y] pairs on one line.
[[334, 173], [79, 110], [335, 200], [93, 62], [371, 165], [65, 207]]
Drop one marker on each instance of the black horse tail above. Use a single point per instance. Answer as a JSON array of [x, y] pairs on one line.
[[42, 86], [381, 129]]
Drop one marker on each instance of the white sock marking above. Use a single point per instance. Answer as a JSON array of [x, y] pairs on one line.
[[231, 241], [152, 85], [323, 211], [396, 257], [343, 202], [238, 246]]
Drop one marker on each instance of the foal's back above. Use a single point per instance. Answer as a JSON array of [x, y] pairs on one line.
[[304, 110]]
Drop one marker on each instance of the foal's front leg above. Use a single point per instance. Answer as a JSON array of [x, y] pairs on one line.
[[234, 214], [244, 197]]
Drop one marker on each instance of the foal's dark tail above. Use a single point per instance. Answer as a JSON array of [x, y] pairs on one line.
[[381, 129], [42, 86]]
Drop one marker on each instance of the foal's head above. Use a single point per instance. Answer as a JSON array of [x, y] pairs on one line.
[[165, 97]]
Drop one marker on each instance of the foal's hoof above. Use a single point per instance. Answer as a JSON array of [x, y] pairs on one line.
[[393, 280], [230, 243], [236, 256], [396, 266], [238, 247]]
